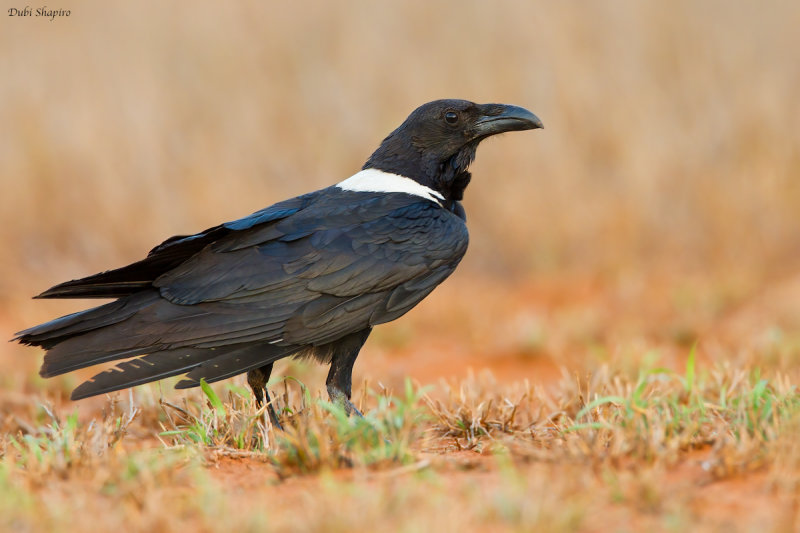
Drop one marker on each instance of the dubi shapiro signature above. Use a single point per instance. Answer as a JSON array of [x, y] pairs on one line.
[[43, 11]]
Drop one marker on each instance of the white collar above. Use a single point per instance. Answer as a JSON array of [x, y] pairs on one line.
[[374, 180]]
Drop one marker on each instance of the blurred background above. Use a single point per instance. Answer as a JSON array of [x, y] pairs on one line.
[[659, 207]]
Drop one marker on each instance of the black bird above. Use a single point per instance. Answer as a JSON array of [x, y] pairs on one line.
[[306, 277]]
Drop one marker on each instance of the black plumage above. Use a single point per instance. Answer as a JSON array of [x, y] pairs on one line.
[[310, 276]]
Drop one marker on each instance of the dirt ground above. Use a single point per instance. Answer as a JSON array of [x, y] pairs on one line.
[[452, 486]]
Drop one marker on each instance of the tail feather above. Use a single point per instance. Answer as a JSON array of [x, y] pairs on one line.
[[51, 333], [152, 367], [216, 364], [55, 366], [166, 339]]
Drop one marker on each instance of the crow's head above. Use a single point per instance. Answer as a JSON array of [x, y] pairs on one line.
[[437, 142]]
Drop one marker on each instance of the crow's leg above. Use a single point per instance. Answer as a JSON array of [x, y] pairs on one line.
[[257, 379], [340, 377]]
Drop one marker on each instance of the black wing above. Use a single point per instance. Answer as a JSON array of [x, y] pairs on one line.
[[348, 261], [329, 264]]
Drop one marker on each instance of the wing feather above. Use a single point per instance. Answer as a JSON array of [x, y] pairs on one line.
[[303, 273]]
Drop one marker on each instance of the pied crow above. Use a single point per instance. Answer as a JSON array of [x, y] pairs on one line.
[[306, 277]]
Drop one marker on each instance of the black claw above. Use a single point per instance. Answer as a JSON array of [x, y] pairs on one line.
[[273, 416], [350, 406], [338, 396]]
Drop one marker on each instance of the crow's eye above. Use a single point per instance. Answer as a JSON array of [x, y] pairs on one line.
[[451, 117]]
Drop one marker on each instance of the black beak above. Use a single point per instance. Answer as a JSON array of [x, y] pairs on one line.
[[503, 118]]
